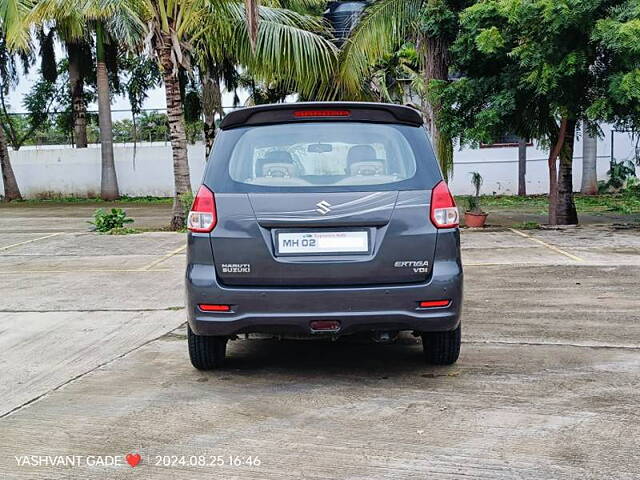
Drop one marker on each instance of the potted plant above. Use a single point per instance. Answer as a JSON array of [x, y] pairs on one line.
[[474, 216]]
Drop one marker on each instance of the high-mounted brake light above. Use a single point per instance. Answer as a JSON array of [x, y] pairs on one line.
[[202, 217], [321, 113], [444, 213]]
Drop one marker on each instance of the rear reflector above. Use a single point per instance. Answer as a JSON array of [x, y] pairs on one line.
[[444, 213], [202, 217], [321, 113], [435, 303], [206, 307], [325, 325]]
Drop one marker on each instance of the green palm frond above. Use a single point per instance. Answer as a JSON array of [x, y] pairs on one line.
[[126, 21], [67, 16], [289, 47], [13, 24], [300, 6], [123, 18], [384, 26]]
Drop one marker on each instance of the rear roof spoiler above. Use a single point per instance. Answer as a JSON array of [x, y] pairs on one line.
[[348, 111]]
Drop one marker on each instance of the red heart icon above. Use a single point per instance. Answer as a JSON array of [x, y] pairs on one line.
[[133, 459]]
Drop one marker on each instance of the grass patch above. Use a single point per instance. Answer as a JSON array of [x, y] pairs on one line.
[[527, 225], [123, 231], [531, 203], [51, 199], [626, 203]]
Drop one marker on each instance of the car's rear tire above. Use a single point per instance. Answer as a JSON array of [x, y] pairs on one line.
[[206, 353], [442, 348]]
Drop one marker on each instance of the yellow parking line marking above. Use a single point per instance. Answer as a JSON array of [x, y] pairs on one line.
[[2, 272], [549, 246], [30, 241], [163, 258]]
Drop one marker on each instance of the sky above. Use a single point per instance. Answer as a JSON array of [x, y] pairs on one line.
[[156, 98]]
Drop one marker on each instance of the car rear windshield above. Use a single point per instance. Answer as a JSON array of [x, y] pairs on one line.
[[331, 156]]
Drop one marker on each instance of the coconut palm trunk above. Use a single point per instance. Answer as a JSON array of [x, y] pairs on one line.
[[212, 104], [76, 87], [589, 164], [436, 67], [11, 189], [109, 181], [177, 135]]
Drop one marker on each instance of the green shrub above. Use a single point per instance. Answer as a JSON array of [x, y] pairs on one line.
[[106, 221], [473, 202], [186, 199], [621, 174]]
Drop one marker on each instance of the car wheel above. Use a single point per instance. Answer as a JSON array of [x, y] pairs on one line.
[[442, 348], [205, 352]]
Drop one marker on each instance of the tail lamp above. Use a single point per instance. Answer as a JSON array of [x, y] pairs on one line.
[[202, 217], [444, 213]]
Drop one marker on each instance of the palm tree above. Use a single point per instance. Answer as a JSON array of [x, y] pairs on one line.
[[284, 46], [211, 74], [273, 43], [79, 57], [108, 179], [9, 182], [77, 43], [14, 35], [72, 19], [384, 27], [8, 78], [68, 22], [224, 68]]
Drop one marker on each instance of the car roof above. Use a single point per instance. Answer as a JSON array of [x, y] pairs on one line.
[[357, 112]]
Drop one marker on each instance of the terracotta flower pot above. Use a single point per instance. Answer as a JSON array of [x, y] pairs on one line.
[[475, 220]]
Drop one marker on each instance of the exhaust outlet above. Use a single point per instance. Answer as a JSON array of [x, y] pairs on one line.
[[385, 336]]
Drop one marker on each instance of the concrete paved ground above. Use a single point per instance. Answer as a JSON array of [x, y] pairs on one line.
[[93, 361], [70, 217]]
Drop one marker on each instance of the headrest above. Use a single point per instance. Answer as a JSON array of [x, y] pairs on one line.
[[360, 153], [366, 168], [285, 170], [276, 156]]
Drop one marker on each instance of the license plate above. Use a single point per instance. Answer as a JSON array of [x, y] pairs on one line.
[[322, 242]]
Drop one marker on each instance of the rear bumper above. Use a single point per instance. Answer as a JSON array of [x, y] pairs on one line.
[[299, 324], [290, 310]]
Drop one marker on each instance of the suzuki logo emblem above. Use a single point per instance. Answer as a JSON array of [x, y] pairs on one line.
[[324, 207]]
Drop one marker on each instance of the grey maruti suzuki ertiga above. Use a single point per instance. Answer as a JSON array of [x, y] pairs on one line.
[[323, 219]]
